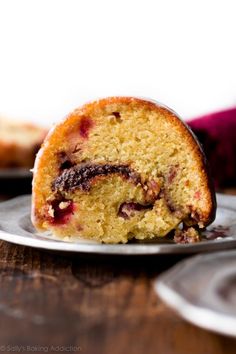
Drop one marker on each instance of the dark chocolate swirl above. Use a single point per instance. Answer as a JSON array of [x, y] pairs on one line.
[[81, 176]]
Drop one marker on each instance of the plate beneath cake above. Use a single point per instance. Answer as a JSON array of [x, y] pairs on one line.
[[16, 227], [15, 173], [202, 289]]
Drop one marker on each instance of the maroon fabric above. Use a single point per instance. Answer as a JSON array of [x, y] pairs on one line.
[[217, 133]]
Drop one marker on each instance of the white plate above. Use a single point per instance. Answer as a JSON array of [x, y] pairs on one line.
[[16, 227], [202, 289]]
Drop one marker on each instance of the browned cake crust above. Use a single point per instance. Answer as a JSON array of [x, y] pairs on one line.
[[72, 166]]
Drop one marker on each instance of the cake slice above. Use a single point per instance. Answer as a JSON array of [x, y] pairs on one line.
[[121, 168]]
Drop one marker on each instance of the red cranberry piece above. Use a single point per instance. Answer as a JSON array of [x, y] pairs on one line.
[[85, 125], [172, 173], [197, 195], [61, 211]]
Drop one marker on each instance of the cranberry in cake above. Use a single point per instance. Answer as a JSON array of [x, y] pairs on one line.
[[122, 168]]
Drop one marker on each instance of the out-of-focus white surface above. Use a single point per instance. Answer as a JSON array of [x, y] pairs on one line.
[[57, 54]]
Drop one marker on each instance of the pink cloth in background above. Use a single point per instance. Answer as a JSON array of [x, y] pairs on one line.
[[217, 134]]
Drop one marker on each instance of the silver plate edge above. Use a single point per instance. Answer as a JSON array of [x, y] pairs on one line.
[[15, 173], [200, 316]]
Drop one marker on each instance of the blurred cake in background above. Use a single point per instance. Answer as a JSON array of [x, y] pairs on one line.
[[19, 143]]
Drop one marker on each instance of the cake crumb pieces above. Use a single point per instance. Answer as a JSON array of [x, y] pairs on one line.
[[51, 211], [201, 225], [189, 235], [64, 205]]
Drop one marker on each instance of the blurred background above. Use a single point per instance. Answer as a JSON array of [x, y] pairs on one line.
[[58, 54]]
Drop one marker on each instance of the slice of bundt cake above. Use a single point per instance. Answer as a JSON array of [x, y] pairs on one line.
[[121, 168]]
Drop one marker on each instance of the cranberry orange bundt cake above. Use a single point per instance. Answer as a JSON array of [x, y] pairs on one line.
[[121, 168]]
